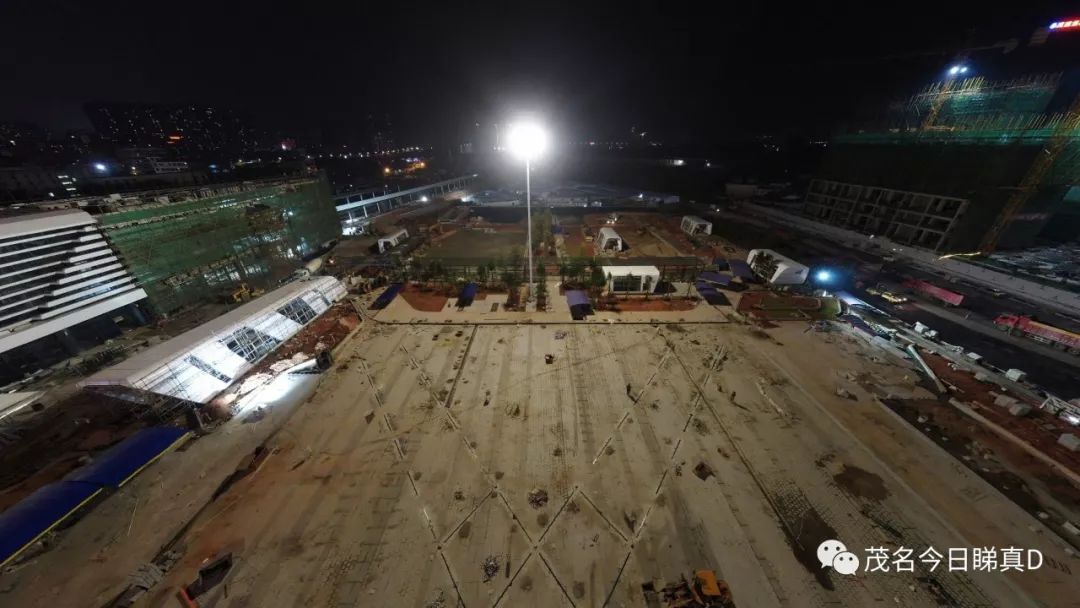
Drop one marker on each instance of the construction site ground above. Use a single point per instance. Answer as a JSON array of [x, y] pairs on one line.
[[453, 464], [478, 244]]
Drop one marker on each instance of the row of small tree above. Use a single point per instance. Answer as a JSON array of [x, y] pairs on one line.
[[582, 273]]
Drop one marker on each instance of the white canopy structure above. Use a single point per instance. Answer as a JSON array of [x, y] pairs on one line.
[[692, 224], [609, 240], [776, 268], [631, 279], [393, 240]]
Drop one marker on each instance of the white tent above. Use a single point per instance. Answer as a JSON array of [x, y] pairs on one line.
[[607, 239], [631, 279], [787, 271], [388, 242], [692, 224]]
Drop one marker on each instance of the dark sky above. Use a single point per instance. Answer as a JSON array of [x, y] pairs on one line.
[[714, 70]]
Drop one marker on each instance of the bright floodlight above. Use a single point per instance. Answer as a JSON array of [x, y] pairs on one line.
[[100, 167], [527, 140], [823, 276]]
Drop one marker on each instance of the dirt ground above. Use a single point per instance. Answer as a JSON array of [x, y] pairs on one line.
[[654, 304], [477, 244], [453, 465], [424, 299], [639, 453]]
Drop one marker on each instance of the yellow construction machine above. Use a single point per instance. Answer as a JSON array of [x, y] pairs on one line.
[[705, 591], [242, 293]]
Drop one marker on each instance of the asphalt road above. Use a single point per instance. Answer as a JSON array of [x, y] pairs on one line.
[[1053, 376]]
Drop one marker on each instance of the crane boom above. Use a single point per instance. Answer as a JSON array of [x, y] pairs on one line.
[[1034, 177]]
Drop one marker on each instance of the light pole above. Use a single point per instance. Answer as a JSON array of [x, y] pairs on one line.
[[527, 141]]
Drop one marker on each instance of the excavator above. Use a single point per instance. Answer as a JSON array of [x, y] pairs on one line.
[[704, 591]]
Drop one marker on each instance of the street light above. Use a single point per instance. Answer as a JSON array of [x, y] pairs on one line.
[[527, 141]]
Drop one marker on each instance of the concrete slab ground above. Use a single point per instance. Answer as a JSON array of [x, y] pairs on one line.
[[640, 453]]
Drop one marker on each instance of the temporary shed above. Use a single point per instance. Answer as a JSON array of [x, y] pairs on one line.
[[631, 279], [692, 224], [776, 268], [609, 240], [387, 243]]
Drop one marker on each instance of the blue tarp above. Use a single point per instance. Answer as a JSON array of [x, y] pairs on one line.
[[741, 269], [39, 512], [580, 307], [386, 296], [467, 294], [715, 277], [710, 295], [575, 297], [720, 263], [126, 458]]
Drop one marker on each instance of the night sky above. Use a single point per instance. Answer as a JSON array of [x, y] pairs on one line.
[[709, 72]]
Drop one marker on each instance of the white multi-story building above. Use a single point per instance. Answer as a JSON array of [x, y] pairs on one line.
[[57, 271]]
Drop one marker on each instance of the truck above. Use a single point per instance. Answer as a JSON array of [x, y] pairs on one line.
[[1040, 332], [938, 293]]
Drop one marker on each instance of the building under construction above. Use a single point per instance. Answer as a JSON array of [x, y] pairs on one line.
[[966, 164], [185, 247], [71, 270]]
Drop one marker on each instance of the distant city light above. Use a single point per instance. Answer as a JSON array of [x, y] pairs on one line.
[[100, 167], [1072, 24]]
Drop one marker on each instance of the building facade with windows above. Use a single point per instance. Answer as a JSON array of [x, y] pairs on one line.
[[62, 289]]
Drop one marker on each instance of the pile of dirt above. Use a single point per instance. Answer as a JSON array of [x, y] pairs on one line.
[[325, 332]]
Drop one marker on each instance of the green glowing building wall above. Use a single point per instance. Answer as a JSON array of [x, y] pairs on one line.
[[194, 251]]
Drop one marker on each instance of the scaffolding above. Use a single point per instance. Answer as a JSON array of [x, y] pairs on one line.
[[184, 252]]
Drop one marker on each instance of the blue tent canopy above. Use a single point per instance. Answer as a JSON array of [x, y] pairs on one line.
[[33, 516], [467, 294], [577, 298], [715, 277], [386, 296], [741, 269], [128, 457]]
